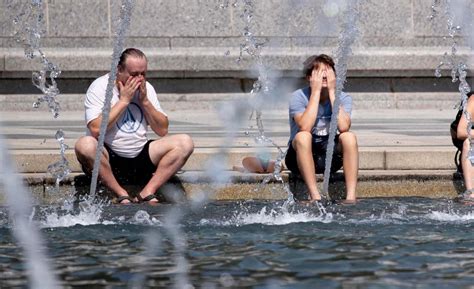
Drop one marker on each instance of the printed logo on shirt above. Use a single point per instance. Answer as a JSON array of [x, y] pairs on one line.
[[322, 126], [131, 119]]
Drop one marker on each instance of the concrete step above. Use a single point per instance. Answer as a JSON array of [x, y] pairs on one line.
[[434, 158], [211, 101], [221, 61]]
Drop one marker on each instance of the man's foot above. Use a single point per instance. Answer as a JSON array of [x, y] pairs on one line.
[[151, 198], [315, 197], [124, 200], [348, 202], [310, 201]]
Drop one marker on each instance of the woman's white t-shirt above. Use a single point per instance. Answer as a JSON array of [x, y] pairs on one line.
[[128, 135]]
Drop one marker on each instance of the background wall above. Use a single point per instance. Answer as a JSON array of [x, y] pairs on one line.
[[188, 41]]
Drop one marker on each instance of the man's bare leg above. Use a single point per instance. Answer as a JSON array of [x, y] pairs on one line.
[[303, 145], [467, 169], [350, 163], [170, 153], [85, 149]]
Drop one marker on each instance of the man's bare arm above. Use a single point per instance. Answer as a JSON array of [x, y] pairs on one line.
[[157, 120], [307, 119]]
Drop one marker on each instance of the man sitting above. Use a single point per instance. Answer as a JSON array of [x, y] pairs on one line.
[[129, 157], [310, 114]]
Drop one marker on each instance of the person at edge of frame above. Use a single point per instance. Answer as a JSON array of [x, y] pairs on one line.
[[461, 140]]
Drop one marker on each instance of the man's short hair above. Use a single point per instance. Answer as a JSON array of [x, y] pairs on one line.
[[313, 63], [130, 52]]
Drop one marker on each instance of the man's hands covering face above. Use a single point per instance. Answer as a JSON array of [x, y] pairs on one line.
[[316, 80], [142, 96], [127, 90], [323, 77]]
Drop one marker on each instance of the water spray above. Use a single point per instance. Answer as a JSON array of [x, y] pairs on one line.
[[60, 169], [29, 32], [25, 231], [262, 87], [344, 50], [458, 68], [125, 13]]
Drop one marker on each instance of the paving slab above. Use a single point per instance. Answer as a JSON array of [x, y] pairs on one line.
[[388, 139]]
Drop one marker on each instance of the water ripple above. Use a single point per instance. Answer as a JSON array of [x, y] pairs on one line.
[[379, 243]]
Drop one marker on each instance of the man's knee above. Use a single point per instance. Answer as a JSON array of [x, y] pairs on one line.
[[303, 139], [185, 143], [85, 146], [348, 139]]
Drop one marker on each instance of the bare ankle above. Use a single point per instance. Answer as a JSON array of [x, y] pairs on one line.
[[315, 196], [351, 197], [122, 193]]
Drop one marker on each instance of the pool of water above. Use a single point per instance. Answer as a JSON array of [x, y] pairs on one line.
[[378, 243]]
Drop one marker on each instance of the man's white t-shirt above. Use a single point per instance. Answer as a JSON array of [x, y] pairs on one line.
[[128, 135]]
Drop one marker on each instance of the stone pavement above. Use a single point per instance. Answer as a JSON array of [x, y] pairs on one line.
[[389, 139], [402, 151]]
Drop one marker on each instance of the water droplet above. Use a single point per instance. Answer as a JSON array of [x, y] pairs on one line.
[[59, 135]]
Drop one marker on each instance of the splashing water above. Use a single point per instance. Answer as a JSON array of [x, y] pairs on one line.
[[261, 89], [27, 234], [28, 33], [347, 38], [179, 240], [60, 169], [28, 23], [125, 13], [434, 9], [282, 215], [49, 89], [458, 68], [89, 209]]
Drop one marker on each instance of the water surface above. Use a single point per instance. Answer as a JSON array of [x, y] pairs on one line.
[[379, 243]]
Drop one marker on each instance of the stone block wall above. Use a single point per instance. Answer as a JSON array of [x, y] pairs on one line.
[[197, 39], [201, 23]]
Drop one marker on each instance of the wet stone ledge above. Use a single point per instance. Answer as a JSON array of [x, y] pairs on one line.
[[194, 185]]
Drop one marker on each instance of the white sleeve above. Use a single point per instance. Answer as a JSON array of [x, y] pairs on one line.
[[94, 102], [153, 98]]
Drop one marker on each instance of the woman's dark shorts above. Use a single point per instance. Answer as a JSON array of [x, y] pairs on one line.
[[136, 171], [319, 156]]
